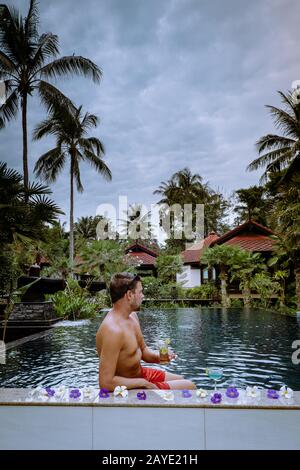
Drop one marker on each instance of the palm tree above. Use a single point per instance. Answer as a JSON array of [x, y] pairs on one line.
[[25, 66], [250, 204], [85, 227], [103, 258], [137, 224], [18, 219], [70, 128], [281, 152]]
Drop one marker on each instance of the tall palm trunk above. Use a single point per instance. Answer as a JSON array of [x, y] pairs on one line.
[[297, 278], [224, 294], [247, 296], [72, 215], [25, 143]]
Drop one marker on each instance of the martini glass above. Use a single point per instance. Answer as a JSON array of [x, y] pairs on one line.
[[215, 373]]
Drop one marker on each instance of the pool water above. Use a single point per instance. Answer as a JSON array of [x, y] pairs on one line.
[[252, 347]]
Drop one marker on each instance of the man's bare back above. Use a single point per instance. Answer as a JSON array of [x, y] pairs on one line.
[[121, 345], [128, 333]]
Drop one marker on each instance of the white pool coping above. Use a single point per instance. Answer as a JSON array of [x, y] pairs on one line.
[[132, 424]]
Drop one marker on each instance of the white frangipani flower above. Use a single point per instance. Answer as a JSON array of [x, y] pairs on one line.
[[89, 392], [286, 392], [253, 392], [121, 391], [201, 393], [167, 395], [60, 391]]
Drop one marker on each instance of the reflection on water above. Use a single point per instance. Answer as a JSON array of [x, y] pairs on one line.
[[252, 347]]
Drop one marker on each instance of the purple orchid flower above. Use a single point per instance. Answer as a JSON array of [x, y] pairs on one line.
[[50, 391], [232, 392], [141, 395], [104, 393], [273, 394], [216, 398], [186, 394], [75, 393]]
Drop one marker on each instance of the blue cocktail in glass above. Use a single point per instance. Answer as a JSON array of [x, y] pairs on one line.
[[215, 373]]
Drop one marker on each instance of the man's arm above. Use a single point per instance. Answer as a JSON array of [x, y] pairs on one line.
[[111, 346], [148, 355]]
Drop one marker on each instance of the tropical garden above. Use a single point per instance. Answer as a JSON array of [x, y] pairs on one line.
[[31, 231]]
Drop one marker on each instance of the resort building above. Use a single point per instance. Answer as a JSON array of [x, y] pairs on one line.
[[145, 257], [248, 236]]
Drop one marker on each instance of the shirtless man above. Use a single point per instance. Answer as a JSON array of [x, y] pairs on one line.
[[121, 345]]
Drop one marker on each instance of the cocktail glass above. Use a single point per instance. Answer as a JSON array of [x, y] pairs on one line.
[[215, 373], [164, 351]]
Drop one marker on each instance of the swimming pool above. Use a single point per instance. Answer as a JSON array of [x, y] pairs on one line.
[[253, 347]]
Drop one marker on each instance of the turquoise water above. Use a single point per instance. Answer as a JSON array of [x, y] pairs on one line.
[[253, 348]]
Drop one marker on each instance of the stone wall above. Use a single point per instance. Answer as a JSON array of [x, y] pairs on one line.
[[33, 311]]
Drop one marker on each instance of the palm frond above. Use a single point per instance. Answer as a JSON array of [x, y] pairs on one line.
[[273, 141], [32, 21], [50, 164], [53, 99], [286, 98], [269, 158], [72, 65], [47, 47], [37, 189], [292, 171], [76, 171], [9, 109], [284, 121], [92, 144], [46, 209], [98, 164], [6, 64], [46, 127], [89, 120]]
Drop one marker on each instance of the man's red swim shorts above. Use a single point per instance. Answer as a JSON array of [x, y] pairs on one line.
[[155, 376]]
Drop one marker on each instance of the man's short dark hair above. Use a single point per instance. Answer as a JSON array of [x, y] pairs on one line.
[[121, 283]]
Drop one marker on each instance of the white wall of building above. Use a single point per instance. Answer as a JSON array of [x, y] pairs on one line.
[[190, 277]]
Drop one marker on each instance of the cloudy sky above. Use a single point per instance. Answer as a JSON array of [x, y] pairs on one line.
[[184, 84]]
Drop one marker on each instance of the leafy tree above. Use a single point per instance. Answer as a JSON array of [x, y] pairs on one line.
[[103, 258], [244, 266], [168, 266], [265, 286], [222, 257], [27, 62]]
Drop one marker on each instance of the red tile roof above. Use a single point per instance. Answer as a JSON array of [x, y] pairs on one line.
[[140, 248], [250, 236], [143, 258], [142, 254], [192, 254], [252, 242], [249, 227]]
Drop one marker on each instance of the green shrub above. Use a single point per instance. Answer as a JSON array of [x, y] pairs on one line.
[[151, 287], [74, 302], [205, 291], [237, 303]]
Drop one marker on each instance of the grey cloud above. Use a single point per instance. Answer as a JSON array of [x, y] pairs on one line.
[[184, 84]]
